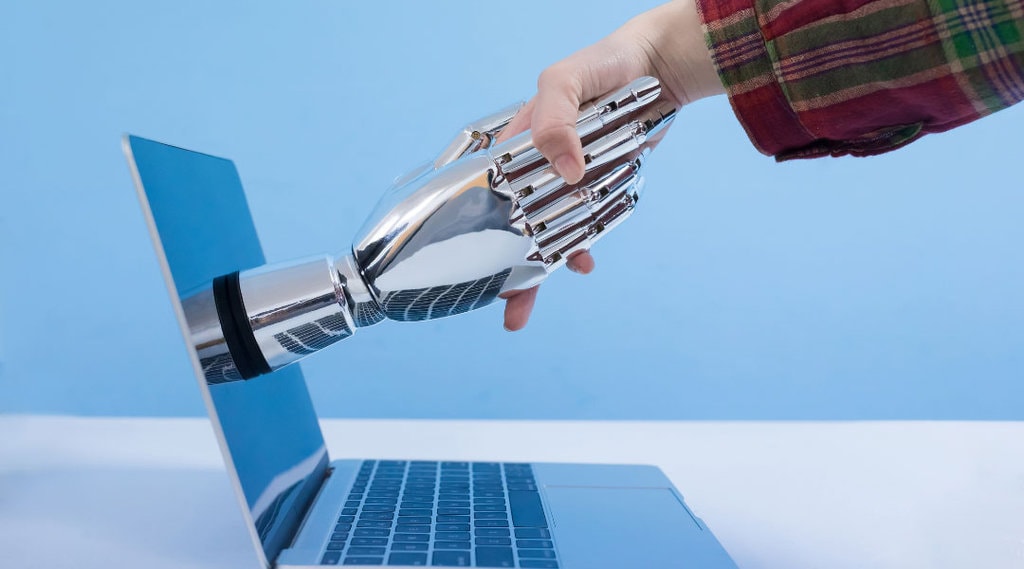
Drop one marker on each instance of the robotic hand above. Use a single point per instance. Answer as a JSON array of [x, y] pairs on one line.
[[449, 237]]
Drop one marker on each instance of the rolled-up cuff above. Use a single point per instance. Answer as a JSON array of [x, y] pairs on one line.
[[746, 66], [743, 63]]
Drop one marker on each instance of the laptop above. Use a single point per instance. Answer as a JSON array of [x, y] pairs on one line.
[[303, 510]]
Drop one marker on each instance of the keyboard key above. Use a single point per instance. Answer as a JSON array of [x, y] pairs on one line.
[[421, 479], [532, 533], [538, 563], [528, 543], [376, 516], [499, 507], [479, 500], [494, 541], [364, 561], [409, 546], [536, 553], [414, 512], [352, 504], [389, 500], [452, 519], [384, 541], [372, 532], [413, 559], [335, 545], [373, 524], [522, 487], [450, 559], [331, 558], [349, 511], [343, 527], [490, 516], [415, 520], [418, 499], [494, 557], [452, 536], [492, 523], [491, 532], [489, 494], [412, 528], [453, 503], [366, 550], [407, 537], [527, 510], [453, 511], [454, 466], [339, 536], [379, 508], [451, 545], [452, 527]]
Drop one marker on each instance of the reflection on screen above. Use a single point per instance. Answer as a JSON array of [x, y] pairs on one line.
[[269, 424]]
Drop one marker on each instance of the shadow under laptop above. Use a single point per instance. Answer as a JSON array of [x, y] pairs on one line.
[[173, 518]]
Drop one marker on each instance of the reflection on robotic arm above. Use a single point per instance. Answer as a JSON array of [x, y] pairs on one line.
[[449, 237]]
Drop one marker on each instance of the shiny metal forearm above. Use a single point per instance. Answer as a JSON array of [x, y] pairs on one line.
[[253, 322], [481, 219]]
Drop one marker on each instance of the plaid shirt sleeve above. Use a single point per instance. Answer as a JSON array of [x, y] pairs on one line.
[[811, 78]]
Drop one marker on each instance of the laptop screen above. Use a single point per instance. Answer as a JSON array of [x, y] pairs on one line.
[[203, 230]]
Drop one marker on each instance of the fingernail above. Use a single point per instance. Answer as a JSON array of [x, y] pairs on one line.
[[566, 166], [572, 268]]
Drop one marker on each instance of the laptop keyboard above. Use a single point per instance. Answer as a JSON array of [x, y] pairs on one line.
[[451, 514]]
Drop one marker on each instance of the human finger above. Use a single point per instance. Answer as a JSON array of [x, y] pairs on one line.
[[581, 262], [519, 123], [564, 87], [518, 306]]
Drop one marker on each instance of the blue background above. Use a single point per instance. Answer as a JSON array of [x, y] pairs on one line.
[[890, 287]]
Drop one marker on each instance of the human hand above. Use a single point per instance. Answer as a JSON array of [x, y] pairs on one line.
[[666, 42]]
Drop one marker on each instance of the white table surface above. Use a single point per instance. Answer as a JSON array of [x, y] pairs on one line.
[[83, 493]]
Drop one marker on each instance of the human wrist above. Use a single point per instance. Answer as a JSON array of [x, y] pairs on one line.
[[674, 50]]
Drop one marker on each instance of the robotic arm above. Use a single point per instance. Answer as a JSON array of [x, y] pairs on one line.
[[447, 238]]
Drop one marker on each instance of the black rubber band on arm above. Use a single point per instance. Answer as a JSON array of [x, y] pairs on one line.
[[234, 324]]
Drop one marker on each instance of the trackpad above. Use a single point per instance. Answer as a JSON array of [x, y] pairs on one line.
[[629, 527]]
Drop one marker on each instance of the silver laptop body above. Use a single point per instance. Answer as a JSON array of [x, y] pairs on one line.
[[304, 510]]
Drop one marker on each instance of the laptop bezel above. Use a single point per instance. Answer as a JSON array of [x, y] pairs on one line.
[[197, 371]]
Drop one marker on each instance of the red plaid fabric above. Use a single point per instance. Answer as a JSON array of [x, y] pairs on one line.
[[811, 78]]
